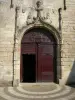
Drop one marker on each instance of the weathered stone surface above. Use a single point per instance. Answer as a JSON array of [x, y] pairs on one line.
[[50, 13]]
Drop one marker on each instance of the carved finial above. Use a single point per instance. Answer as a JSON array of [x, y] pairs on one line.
[[38, 3], [31, 19], [39, 8]]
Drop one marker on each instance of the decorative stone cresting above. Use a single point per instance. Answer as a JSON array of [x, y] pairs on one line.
[[38, 9]]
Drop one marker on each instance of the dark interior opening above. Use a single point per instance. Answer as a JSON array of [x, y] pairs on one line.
[[29, 68]]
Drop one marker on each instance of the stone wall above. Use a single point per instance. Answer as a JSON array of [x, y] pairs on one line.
[[51, 15], [6, 42], [68, 42]]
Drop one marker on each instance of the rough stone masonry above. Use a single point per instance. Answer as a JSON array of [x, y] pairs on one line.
[[16, 15]]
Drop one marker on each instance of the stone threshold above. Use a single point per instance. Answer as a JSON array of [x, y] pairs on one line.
[[37, 84]]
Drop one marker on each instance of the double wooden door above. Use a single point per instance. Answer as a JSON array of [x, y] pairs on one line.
[[40, 57]]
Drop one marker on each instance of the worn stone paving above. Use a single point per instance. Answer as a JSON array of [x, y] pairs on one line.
[[38, 92]]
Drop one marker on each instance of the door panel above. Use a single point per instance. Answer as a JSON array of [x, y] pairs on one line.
[[45, 62], [28, 48]]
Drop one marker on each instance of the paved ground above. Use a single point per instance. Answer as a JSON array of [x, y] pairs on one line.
[[38, 92]]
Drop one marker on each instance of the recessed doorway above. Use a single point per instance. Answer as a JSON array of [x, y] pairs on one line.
[[38, 57]]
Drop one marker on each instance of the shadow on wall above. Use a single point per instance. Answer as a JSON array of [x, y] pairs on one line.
[[71, 78]]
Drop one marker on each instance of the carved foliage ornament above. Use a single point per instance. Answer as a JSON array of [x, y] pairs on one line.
[[37, 19]]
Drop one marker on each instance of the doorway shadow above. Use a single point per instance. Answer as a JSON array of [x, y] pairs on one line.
[[29, 74], [71, 78]]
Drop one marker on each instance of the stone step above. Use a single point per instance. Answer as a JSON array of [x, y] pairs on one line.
[[36, 92]]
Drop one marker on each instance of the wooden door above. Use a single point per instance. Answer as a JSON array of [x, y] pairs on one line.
[[45, 62]]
